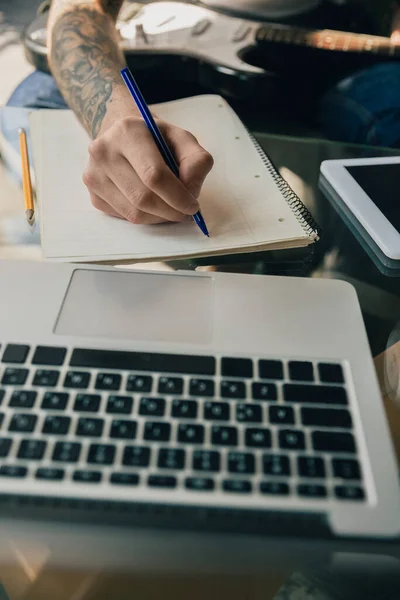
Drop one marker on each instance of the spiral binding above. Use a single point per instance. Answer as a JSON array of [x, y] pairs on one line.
[[301, 212]]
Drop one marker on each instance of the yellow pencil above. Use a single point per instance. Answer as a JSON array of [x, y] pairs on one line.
[[26, 179]]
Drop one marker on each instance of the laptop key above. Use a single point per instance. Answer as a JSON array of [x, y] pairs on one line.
[[171, 458], [123, 429], [55, 401], [237, 367], [236, 486], [326, 417], [87, 402], [124, 479], [291, 439], [77, 380], [249, 413], [15, 353], [136, 456], [264, 391], [346, 468], [206, 460], [22, 423], [142, 361], [311, 490], [48, 355], [55, 425], [329, 441], [5, 447], [224, 436], [270, 369], [139, 383], [233, 389], [347, 492], [161, 481], [199, 484], [258, 438], [119, 405], [184, 409], [314, 394], [301, 370], [68, 452], [276, 464], [82, 476], [241, 462], [152, 407], [22, 399], [49, 474], [170, 385], [90, 427], [101, 454], [311, 466], [14, 376], [2, 394], [274, 488], [32, 449], [330, 373], [108, 381], [281, 415], [46, 378], [157, 431], [13, 471], [190, 434], [217, 411], [201, 387]]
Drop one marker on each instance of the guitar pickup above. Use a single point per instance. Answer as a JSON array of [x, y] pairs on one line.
[[241, 33], [201, 27]]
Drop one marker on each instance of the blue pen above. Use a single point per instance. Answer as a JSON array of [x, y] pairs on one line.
[[157, 135]]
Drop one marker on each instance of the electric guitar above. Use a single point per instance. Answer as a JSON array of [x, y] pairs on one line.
[[217, 50]]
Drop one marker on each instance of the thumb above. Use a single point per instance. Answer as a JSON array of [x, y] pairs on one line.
[[395, 37]]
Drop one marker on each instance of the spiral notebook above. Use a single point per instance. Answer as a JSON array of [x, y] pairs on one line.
[[247, 206]]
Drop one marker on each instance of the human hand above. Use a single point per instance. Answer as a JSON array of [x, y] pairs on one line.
[[395, 35], [127, 177]]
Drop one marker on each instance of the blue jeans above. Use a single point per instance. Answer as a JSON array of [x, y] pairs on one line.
[[364, 108], [38, 90]]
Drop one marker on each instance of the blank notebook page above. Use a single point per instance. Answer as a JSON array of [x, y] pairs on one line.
[[241, 202]]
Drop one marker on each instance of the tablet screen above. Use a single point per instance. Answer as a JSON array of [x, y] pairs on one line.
[[382, 184]]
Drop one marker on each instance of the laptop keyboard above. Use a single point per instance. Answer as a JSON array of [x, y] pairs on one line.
[[201, 423]]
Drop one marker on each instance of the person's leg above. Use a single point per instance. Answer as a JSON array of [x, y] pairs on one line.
[[364, 108], [37, 91]]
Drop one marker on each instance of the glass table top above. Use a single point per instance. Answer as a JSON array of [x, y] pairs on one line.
[[53, 561]]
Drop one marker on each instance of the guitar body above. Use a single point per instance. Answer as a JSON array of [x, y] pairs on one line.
[[176, 45]]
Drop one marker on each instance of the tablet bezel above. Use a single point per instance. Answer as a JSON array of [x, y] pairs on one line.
[[370, 217]]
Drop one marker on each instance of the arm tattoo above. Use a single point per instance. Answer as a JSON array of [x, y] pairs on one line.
[[85, 60]]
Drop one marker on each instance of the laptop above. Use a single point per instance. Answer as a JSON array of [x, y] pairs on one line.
[[192, 401]]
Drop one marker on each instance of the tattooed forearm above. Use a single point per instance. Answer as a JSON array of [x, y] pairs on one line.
[[85, 59]]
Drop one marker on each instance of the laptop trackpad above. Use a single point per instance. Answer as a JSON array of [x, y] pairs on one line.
[[138, 306]]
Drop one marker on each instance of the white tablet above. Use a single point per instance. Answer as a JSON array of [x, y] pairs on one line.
[[368, 191]]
